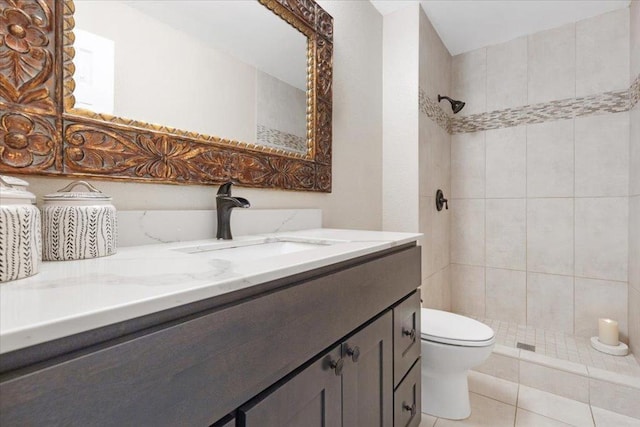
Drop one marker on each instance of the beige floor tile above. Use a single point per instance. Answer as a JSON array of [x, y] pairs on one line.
[[495, 388], [485, 412], [529, 419], [556, 407], [427, 421], [606, 418]]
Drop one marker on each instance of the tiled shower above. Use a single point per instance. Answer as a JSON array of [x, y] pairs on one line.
[[542, 172]]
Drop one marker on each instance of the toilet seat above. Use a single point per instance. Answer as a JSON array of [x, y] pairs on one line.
[[453, 329]]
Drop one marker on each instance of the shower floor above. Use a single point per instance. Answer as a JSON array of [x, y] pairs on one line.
[[562, 346]]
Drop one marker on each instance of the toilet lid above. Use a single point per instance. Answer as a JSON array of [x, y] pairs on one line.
[[450, 328]]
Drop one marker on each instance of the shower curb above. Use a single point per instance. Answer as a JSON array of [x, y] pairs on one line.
[[612, 391]]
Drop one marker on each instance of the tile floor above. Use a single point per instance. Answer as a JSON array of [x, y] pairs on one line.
[[561, 346], [497, 403]]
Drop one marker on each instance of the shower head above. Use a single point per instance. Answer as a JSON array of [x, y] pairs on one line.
[[456, 106]]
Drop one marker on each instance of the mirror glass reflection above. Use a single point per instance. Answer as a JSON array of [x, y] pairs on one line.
[[231, 69]]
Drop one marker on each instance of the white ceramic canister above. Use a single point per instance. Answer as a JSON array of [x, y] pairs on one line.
[[17, 183], [78, 224], [20, 238]]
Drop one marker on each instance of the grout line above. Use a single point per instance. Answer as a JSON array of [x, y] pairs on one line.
[[484, 233], [575, 61], [574, 227], [486, 93], [593, 418], [526, 223], [543, 272], [548, 197], [518, 390], [492, 398]]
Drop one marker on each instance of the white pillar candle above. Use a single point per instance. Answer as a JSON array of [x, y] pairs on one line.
[[608, 331]]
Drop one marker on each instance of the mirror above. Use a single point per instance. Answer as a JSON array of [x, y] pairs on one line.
[[240, 82], [271, 129]]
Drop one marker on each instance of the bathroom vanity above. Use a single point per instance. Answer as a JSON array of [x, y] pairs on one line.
[[314, 327]]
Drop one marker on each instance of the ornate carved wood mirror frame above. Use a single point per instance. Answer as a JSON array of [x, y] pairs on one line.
[[41, 133]]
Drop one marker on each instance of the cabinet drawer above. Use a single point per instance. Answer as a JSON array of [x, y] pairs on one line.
[[406, 336], [407, 406]]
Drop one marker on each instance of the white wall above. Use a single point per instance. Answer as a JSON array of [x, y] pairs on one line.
[[400, 114], [435, 170], [634, 190], [357, 140]]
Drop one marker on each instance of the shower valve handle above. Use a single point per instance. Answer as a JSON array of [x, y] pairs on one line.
[[441, 201]]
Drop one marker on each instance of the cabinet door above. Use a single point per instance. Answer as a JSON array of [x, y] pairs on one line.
[[312, 398], [367, 382]]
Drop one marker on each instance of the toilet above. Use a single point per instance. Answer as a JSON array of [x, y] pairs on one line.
[[451, 344]]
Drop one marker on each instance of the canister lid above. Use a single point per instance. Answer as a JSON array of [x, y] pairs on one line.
[[12, 190], [15, 182], [93, 194]]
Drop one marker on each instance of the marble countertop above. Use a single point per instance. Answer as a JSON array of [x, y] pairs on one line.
[[70, 297]]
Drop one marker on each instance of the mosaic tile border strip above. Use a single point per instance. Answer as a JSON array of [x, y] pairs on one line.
[[433, 110], [607, 102], [634, 92], [270, 137]]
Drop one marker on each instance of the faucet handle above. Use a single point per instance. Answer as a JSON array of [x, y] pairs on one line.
[[225, 189]]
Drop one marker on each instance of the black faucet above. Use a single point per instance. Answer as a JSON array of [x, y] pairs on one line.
[[224, 204]]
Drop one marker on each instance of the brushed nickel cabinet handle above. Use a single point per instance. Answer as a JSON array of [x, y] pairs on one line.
[[410, 333], [337, 366], [353, 352], [411, 409]]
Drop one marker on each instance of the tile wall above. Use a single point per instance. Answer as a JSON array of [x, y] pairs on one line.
[[540, 212], [634, 187], [434, 166]]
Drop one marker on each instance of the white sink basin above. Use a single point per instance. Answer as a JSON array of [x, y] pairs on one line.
[[247, 251]]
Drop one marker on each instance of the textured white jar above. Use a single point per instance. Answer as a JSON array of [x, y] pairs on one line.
[[78, 225], [20, 238]]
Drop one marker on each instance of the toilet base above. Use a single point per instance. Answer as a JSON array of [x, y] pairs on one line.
[[446, 396]]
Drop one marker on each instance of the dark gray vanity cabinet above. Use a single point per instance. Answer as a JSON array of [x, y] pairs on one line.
[[367, 380], [349, 386], [225, 422], [277, 344], [407, 403], [406, 343], [311, 398], [406, 362]]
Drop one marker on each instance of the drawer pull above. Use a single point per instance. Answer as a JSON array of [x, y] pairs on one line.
[[411, 409], [410, 333], [337, 366], [353, 352]]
